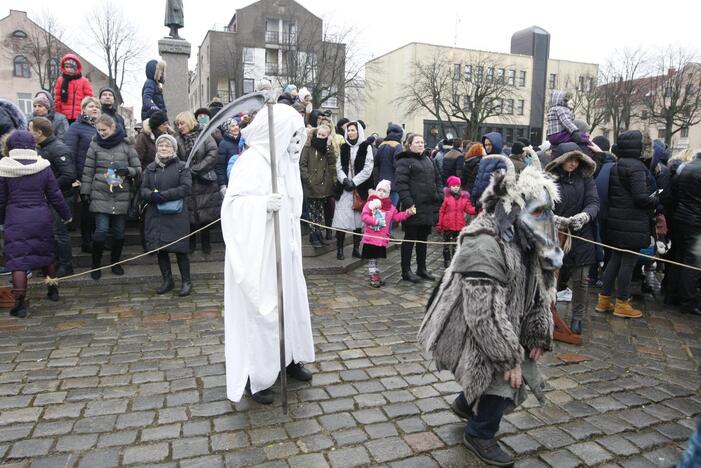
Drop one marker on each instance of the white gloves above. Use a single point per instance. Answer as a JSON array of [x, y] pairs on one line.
[[222, 190], [561, 222], [578, 221], [274, 202]]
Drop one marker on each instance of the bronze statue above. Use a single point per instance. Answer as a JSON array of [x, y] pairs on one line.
[[175, 18]]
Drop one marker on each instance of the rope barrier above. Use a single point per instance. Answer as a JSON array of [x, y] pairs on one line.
[[55, 281]]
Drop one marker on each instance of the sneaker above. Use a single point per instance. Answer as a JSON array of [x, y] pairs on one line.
[[297, 371], [488, 451], [565, 295]]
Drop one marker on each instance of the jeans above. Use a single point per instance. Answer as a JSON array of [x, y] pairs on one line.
[[414, 233], [103, 223], [578, 280], [64, 254], [485, 424], [691, 458], [619, 270]]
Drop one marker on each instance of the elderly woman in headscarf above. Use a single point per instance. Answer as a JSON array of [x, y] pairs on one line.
[[354, 180], [166, 186], [229, 147]]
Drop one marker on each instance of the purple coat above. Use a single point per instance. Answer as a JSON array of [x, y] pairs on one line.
[[28, 220]]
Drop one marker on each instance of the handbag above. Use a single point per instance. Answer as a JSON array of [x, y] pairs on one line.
[[170, 207], [209, 176], [358, 202]]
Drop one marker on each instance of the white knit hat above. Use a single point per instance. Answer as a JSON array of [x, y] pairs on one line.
[[385, 185]]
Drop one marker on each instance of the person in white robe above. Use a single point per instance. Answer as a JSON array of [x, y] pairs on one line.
[[250, 281]]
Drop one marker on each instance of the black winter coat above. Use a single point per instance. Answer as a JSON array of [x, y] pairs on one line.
[[453, 163], [471, 167], [419, 184], [629, 209], [78, 139], [577, 195], [686, 194], [174, 182], [59, 155], [204, 203]]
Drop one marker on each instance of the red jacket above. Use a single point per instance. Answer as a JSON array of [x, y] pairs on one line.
[[78, 88], [453, 210]]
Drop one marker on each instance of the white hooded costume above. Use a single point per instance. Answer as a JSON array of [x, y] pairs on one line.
[[250, 295]]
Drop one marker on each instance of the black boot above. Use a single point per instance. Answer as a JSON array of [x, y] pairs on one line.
[[340, 237], [297, 371], [52, 293], [407, 274], [461, 407], [166, 273], [320, 238], [421, 270], [329, 234], [446, 257], [97, 248], [115, 255], [356, 244], [264, 397], [184, 267], [488, 451], [206, 243], [21, 308], [314, 240]]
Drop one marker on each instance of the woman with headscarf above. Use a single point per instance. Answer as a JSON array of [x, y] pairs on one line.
[[27, 188], [354, 180], [167, 183], [229, 147]]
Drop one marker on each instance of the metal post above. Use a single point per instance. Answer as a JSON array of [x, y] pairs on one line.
[[278, 262]]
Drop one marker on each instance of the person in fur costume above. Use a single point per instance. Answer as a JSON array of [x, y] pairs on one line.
[[378, 215], [456, 204], [489, 320]]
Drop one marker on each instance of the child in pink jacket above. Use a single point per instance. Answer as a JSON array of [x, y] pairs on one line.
[[456, 205], [378, 214]]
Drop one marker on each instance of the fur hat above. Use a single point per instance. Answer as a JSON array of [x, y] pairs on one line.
[[170, 139], [475, 150], [453, 180], [20, 139], [156, 119], [202, 110], [42, 100], [385, 185]]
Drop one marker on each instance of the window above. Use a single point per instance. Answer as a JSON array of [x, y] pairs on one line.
[[684, 133], [552, 81], [522, 78], [511, 77], [591, 85], [581, 83], [456, 71], [329, 101], [289, 32], [20, 34], [500, 75], [456, 101], [21, 67], [249, 85], [661, 133], [249, 55], [480, 73], [520, 106], [54, 69], [467, 72], [24, 102], [509, 106], [466, 103], [498, 105], [271, 62], [509, 135], [272, 30], [490, 74]]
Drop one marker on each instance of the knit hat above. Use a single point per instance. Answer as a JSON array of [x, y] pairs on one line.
[[475, 150], [42, 100], [170, 139], [517, 148], [525, 141], [106, 89], [202, 110], [385, 185], [453, 180], [629, 144], [20, 139], [602, 142], [156, 119]]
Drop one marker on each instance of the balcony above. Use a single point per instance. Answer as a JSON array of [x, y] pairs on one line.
[[272, 37], [272, 69]]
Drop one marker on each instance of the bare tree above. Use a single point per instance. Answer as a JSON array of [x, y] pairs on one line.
[[672, 96], [621, 78], [116, 40]]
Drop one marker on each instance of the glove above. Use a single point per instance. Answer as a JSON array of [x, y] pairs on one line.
[[662, 247], [578, 221], [577, 137], [561, 222], [222, 190], [122, 172], [85, 198], [156, 197], [274, 202], [348, 185]]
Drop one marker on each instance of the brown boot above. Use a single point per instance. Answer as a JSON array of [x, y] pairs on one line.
[[604, 305], [625, 310]]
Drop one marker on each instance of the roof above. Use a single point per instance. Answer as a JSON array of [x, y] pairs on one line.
[[447, 47], [297, 5]]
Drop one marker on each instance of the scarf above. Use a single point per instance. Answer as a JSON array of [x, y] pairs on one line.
[[111, 141], [189, 139], [85, 118], [163, 162], [64, 86], [319, 144], [386, 202], [12, 167]]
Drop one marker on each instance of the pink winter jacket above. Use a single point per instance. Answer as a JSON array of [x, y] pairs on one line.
[[453, 211], [390, 215]]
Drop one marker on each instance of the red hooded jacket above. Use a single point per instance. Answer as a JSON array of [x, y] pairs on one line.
[[78, 88], [453, 210]]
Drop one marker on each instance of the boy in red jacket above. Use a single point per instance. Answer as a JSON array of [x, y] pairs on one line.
[[456, 204]]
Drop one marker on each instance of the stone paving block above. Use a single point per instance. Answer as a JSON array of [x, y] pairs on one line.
[[302, 428], [217, 408], [76, 443], [95, 424], [349, 457], [637, 418], [674, 431], [383, 450], [521, 444], [560, 459], [637, 462], [369, 386], [52, 428], [646, 440], [315, 443], [308, 461], [664, 456], [30, 448], [100, 408], [423, 442], [338, 405], [609, 424], [15, 402], [146, 453], [280, 450], [686, 406], [441, 418], [370, 400], [349, 437], [333, 422], [228, 441], [192, 428], [411, 424], [167, 431], [381, 430], [21, 415], [245, 457], [229, 423], [401, 409], [211, 461], [50, 398], [189, 447], [114, 439], [523, 420], [551, 437], [107, 458], [53, 461], [267, 435], [341, 390], [605, 403], [581, 430], [590, 452], [170, 415], [135, 420], [455, 457]]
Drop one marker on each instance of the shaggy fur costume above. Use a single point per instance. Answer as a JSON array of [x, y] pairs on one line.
[[492, 305]]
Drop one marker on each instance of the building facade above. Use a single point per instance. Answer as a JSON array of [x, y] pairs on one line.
[[19, 79], [526, 77], [277, 40]]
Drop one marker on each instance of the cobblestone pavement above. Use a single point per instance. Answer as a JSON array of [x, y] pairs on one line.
[[114, 376]]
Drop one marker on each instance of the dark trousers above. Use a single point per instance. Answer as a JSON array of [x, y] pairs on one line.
[[449, 250], [688, 284], [64, 254], [485, 423], [619, 272], [87, 223], [412, 233]]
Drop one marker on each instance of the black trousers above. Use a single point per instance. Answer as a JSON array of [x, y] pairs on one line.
[[413, 233], [688, 284]]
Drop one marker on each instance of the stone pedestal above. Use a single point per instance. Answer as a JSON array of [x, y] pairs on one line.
[[175, 52]]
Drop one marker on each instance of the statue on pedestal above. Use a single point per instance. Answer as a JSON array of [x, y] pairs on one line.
[[175, 17]]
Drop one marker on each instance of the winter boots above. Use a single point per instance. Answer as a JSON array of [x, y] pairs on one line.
[[625, 310], [604, 305], [115, 255], [375, 280], [21, 308], [356, 244], [52, 293], [340, 238], [184, 267], [97, 248], [166, 273]]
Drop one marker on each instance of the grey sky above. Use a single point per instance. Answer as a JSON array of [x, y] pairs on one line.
[[586, 31]]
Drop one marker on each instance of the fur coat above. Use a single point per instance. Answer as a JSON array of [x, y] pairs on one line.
[[490, 309]]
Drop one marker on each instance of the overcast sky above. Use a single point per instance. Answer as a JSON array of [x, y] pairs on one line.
[[586, 31]]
